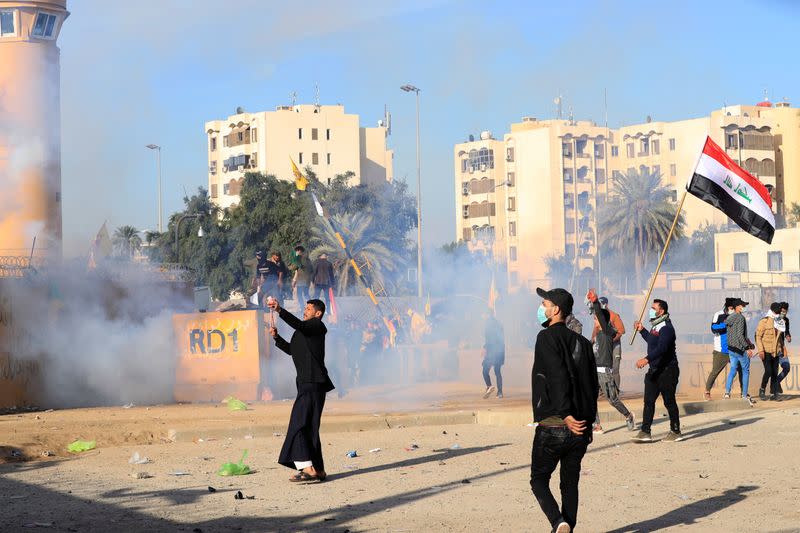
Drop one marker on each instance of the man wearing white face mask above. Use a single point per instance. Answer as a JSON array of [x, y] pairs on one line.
[[564, 389], [662, 374]]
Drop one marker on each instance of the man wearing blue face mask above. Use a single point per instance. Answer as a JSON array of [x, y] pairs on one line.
[[564, 389], [663, 372]]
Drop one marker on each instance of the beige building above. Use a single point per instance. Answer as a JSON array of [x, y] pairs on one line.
[[738, 251], [323, 137], [30, 126], [558, 173]]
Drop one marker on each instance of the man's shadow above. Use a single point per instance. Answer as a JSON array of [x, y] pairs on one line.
[[689, 514]]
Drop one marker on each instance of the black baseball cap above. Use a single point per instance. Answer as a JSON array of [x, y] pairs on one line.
[[729, 302], [736, 302], [561, 297]]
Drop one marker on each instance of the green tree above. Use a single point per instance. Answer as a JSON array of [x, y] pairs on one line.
[[637, 218], [794, 214], [365, 243], [126, 240], [559, 269]]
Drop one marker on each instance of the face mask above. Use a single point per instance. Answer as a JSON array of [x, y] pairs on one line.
[[783, 314], [541, 315], [652, 314]]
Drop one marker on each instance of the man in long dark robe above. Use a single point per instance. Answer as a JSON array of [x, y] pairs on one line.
[[302, 449]]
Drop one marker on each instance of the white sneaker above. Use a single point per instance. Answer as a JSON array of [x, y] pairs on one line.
[[489, 391], [563, 527]]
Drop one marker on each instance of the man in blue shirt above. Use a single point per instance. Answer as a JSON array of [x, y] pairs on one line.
[[662, 374], [720, 330]]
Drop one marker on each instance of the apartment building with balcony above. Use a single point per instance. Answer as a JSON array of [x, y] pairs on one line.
[[323, 137]]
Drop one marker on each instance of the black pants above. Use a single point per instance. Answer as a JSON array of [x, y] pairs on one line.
[[771, 366], [663, 383], [487, 364], [552, 445]]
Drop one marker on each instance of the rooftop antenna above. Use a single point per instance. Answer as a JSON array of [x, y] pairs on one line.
[[387, 119], [571, 116], [293, 98], [766, 95], [316, 95], [557, 100]]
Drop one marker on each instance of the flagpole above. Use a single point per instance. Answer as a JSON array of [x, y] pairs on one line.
[[660, 261]]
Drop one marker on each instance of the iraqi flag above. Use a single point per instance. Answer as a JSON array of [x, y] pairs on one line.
[[719, 181]]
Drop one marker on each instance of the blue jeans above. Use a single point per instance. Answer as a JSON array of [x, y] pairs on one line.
[[785, 367], [738, 361]]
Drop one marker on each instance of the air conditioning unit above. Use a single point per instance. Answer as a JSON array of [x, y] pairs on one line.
[[465, 191], [483, 167], [240, 167], [224, 169], [465, 212], [471, 169]]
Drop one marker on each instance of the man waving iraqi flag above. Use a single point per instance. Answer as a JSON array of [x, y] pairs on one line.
[[719, 181]]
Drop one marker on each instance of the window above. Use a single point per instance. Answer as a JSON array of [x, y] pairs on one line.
[[253, 135], [314, 134], [599, 151], [226, 189], [225, 141], [511, 179], [655, 146], [329, 159], [580, 147], [566, 149], [315, 158], [214, 190], [480, 160], [775, 261], [629, 149], [510, 154], [615, 151], [732, 140], [213, 143], [512, 253], [673, 170], [328, 135], [673, 196], [299, 133], [600, 175], [7, 23], [300, 158], [644, 146], [512, 203], [657, 169], [240, 136], [741, 262], [672, 145], [44, 26], [512, 229], [254, 159], [466, 235], [212, 167]]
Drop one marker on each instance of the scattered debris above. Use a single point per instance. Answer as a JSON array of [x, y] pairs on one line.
[[465, 481], [248, 437], [39, 524], [442, 463], [704, 476], [411, 447], [235, 469], [503, 463], [141, 475], [455, 447], [211, 489], [48, 453], [137, 459], [277, 435], [740, 445], [235, 404], [238, 495], [82, 446], [351, 454], [374, 450], [179, 473], [172, 435], [128, 405], [328, 519], [444, 433], [683, 497]]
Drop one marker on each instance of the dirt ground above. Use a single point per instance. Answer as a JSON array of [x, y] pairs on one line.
[[737, 471]]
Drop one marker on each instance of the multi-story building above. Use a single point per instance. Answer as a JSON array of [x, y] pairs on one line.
[[557, 173], [323, 137]]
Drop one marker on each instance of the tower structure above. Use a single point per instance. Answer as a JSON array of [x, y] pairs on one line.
[[30, 126]]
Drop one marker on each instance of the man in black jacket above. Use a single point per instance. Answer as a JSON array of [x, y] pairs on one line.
[[302, 449], [564, 389], [662, 374]]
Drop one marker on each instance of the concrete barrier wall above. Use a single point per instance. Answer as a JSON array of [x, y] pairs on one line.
[[18, 377]]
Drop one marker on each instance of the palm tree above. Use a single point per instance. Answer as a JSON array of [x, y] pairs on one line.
[[126, 240], [365, 242], [638, 216], [559, 269]]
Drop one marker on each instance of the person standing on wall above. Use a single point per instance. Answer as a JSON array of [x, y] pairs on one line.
[[302, 448], [564, 396], [604, 342], [322, 276], [302, 275], [494, 355], [768, 347], [265, 279], [662, 373], [740, 349]]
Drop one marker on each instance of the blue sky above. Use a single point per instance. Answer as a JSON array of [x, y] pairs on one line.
[[152, 71]]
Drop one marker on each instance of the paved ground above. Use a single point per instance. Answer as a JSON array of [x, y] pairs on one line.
[[737, 471]]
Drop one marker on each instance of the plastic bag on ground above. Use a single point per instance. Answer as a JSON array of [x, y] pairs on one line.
[[235, 469], [235, 404], [82, 446]]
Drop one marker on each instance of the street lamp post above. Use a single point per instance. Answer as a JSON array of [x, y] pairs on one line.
[[411, 89], [177, 228], [158, 157]]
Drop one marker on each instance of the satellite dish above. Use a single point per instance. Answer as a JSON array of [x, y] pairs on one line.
[[239, 110], [557, 100]]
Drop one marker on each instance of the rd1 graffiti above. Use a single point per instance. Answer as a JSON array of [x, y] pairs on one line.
[[212, 341]]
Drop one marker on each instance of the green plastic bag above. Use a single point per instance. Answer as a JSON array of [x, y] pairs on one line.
[[235, 404], [82, 446], [235, 469]]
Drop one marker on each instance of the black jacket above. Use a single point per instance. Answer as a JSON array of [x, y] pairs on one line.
[[604, 340], [323, 273], [307, 348], [564, 379], [661, 351]]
